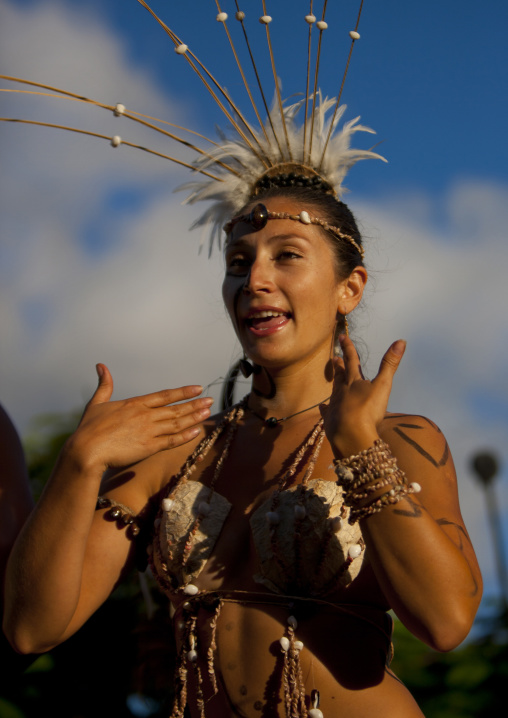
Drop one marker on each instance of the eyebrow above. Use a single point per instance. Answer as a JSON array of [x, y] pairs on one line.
[[274, 238]]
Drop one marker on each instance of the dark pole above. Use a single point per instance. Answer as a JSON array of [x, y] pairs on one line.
[[486, 467]]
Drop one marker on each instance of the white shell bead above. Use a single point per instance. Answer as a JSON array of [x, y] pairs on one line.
[[354, 35], [240, 15], [336, 523], [304, 217], [354, 551], [416, 487], [344, 473], [119, 109], [284, 643], [116, 140], [300, 512], [222, 17], [167, 504], [293, 622], [298, 645], [273, 518], [192, 656], [181, 49], [322, 25], [311, 19], [204, 508], [190, 589], [265, 19], [315, 713]]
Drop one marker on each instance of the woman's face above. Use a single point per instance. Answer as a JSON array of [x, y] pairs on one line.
[[281, 288]]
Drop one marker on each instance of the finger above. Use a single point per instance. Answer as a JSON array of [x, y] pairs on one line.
[[339, 371], [176, 411], [175, 426], [390, 362], [352, 367], [170, 396], [171, 441], [104, 389]]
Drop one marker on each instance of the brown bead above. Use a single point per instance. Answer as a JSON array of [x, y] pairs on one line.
[[258, 216]]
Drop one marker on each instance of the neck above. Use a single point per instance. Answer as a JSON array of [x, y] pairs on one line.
[[285, 391]]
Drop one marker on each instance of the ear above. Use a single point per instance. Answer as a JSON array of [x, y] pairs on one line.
[[352, 290]]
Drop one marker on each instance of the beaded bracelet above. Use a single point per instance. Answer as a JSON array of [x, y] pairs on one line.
[[122, 514], [367, 472]]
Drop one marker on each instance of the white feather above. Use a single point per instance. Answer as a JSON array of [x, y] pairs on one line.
[[247, 164]]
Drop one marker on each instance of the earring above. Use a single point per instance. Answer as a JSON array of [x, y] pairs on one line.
[[247, 368], [346, 326]]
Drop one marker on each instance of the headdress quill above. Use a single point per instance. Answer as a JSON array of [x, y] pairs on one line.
[[230, 170]]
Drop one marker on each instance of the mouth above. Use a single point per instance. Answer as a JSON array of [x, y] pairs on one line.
[[266, 321]]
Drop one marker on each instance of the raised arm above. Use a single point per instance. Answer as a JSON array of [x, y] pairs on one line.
[[67, 559], [419, 547]]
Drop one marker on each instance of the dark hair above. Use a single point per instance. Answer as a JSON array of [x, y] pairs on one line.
[[325, 206]]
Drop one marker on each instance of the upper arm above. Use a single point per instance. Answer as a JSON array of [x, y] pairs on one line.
[[423, 454]]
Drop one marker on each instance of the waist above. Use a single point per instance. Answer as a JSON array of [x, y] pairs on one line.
[[306, 608]]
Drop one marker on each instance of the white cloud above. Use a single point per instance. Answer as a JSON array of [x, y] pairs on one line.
[[150, 307]]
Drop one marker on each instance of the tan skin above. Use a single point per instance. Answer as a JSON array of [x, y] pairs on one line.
[[419, 559]]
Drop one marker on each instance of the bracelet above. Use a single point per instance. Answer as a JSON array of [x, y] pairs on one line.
[[120, 513], [365, 473]]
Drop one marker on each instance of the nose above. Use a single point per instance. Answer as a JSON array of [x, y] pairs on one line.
[[260, 277]]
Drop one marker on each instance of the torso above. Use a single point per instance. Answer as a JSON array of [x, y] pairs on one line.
[[344, 629]]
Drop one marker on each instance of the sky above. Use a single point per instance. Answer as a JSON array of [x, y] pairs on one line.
[[97, 262]]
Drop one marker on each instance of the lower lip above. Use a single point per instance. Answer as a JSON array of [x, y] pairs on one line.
[[265, 332]]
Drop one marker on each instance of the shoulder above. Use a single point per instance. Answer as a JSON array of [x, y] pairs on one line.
[[417, 441]]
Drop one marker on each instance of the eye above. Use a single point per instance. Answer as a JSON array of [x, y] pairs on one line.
[[289, 254], [237, 265]]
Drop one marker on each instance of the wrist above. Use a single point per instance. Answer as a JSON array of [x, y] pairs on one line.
[[371, 481], [351, 442], [78, 457]]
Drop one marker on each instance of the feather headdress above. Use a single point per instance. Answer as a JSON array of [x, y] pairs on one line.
[[234, 190], [231, 169]]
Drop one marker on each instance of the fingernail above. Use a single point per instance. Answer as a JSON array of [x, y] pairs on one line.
[[399, 347], [204, 413], [208, 401], [99, 370]]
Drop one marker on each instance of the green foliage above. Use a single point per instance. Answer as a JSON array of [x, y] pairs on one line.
[[466, 683], [48, 434]]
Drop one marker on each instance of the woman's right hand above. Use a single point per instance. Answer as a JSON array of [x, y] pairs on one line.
[[120, 433]]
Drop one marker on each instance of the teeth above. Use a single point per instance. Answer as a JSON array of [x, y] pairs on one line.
[[263, 315]]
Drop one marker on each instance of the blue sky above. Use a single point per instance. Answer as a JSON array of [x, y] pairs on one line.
[[96, 261]]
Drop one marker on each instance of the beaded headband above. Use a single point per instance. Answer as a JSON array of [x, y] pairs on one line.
[[259, 215], [240, 166]]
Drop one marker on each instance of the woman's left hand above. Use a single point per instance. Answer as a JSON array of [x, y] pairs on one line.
[[357, 405]]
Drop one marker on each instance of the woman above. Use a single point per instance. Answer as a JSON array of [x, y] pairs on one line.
[[280, 544]]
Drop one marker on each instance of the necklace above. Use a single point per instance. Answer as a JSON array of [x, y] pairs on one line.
[[272, 421]]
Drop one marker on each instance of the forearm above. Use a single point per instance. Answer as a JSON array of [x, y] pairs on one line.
[[427, 579], [44, 573]]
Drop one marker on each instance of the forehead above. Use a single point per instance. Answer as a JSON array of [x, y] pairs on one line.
[[277, 229]]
